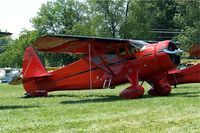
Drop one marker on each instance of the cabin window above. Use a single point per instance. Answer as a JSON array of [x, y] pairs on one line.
[[82, 55], [131, 49], [96, 60], [110, 55], [122, 51]]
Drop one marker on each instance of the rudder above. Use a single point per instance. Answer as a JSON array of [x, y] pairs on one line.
[[32, 66]]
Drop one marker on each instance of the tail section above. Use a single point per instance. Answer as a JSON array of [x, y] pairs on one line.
[[32, 70], [32, 66]]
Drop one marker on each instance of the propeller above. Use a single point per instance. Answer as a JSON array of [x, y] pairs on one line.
[[176, 51]]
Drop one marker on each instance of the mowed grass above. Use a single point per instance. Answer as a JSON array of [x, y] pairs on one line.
[[100, 111]]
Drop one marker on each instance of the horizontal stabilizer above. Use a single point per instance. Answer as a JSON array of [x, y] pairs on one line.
[[15, 81]]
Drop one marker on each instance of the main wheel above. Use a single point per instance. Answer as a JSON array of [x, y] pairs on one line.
[[132, 92], [162, 90]]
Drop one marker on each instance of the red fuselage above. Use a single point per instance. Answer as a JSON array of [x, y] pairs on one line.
[[108, 67]]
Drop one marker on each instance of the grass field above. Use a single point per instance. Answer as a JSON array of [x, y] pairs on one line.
[[100, 111]]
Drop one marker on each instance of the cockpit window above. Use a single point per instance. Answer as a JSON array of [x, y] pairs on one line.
[[122, 51], [96, 60], [110, 55], [131, 49], [138, 43]]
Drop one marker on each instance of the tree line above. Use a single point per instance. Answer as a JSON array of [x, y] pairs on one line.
[[132, 19]]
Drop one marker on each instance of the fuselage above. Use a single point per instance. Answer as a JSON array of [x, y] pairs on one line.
[[109, 66]]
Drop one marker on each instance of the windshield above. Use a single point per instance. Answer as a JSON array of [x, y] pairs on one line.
[[138, 43]]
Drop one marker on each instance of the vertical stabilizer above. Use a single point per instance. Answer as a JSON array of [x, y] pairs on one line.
[[32, 66]]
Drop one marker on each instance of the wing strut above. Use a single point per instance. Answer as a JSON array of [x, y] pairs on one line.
[[90, 65], [104, 64], [101, 66]]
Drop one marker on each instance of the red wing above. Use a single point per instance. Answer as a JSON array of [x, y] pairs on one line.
[[78, 44]]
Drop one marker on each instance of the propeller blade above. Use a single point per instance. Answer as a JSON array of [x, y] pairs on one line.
[[177, 51]]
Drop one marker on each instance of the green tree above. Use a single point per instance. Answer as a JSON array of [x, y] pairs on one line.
[[188, 19], [163, 11], [61, 17], [13, 54], [107, 16], [138, 20], [4, 40], [131, 19]]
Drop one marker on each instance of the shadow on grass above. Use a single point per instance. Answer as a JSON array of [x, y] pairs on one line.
[[186, 86], [77, 95], [63, 95], [176, 94], [50, 96], [6, 107], [93, 100], [185, 94], [98, 98], [109, 98]]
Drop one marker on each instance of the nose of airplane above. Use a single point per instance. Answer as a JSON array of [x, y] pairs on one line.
[[173, 52], [170, 48]]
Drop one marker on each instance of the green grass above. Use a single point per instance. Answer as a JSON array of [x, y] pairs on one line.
[[100, 111]]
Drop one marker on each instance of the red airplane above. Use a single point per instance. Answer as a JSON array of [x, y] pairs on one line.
[[106, 62]]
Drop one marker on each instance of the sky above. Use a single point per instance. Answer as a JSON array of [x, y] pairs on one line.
[[15, 15]]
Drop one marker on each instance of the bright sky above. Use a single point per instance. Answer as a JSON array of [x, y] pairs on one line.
[[15, 15]]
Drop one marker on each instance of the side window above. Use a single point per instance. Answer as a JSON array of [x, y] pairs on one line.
[[131, 49], [110, 55], [122, 51], [96, 60]]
